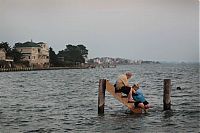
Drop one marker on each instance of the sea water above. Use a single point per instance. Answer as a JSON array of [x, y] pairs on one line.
[[66, 100]]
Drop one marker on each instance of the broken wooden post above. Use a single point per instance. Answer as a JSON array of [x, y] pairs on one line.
[[101, 96], [167, 94]]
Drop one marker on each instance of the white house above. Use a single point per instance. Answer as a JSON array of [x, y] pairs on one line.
[[36, 53], [2, 54]]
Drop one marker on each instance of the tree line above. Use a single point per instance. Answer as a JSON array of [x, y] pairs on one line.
[[72, 55]]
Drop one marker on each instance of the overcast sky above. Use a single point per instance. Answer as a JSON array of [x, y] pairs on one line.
[[163, 30]]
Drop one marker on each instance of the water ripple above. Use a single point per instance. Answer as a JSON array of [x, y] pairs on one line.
[[66, 100]]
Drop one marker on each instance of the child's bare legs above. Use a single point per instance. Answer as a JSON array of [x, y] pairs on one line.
[[141, 105], [147, 106]]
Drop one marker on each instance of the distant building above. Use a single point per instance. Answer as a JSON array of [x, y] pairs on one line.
[[37, 54], [2, 54], [97, 60], [5, 62]]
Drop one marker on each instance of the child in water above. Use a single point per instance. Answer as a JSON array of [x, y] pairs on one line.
[[139, 99]]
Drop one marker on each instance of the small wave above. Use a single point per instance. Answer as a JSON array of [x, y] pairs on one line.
[[40, 130], [68, 129]]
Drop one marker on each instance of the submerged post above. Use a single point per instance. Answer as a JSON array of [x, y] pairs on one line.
[[101, 96], [167, 94]]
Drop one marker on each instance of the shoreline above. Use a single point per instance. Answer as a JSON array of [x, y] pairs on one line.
[[38, 69]]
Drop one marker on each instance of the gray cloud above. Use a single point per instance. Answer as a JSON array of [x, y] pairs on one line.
[[135, 29]]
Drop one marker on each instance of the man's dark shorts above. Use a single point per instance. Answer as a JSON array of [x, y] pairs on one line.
[[124, 89]]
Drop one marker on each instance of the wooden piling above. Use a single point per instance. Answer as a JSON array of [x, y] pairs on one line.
[[167, 94], [101, 96]]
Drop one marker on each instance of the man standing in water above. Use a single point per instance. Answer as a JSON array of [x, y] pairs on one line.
[[123, 86]]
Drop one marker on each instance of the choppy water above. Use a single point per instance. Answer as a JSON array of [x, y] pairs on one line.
[[66, 100]]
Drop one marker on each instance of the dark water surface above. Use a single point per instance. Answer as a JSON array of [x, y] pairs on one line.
[[66, 100]]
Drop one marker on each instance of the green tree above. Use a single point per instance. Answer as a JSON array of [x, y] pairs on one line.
[[11, 52], [6, 47], [53, 59], [16, 55], [83, 50], [74, 54]]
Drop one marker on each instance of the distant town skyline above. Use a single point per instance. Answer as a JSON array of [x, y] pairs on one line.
[[158, 30]]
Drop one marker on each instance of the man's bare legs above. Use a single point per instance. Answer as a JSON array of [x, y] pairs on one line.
[[130, 97]]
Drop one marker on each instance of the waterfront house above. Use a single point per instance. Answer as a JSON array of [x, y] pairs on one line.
[[37, 54], [2, 54], [5, 62]]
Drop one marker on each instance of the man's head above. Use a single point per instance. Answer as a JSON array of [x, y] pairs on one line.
[[129, 75]]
